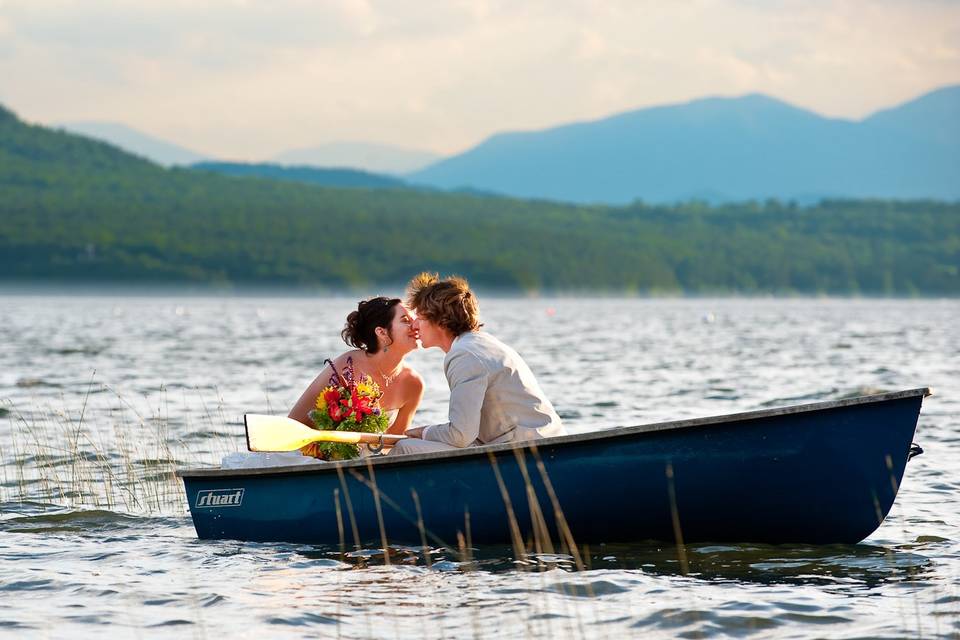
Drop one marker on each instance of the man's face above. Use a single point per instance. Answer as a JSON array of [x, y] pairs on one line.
[[430, 333]]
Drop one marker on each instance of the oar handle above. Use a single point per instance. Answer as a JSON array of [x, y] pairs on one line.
[[276, 433], [355, 437]]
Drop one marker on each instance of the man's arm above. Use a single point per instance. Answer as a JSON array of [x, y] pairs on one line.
[[468, 380]]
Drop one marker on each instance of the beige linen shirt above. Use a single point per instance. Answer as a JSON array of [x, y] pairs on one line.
[[494, 396]]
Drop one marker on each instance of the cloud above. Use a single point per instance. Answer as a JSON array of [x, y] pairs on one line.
[[248, 79]]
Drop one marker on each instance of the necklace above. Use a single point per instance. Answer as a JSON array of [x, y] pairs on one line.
[[388, 379]]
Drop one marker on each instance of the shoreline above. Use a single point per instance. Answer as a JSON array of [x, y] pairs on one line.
[[41, 288]]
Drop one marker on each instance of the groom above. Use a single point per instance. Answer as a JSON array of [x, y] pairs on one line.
[[494, 397]]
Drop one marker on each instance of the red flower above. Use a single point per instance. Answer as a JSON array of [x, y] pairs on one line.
[[335, 413], [332, 397], [361, 406]]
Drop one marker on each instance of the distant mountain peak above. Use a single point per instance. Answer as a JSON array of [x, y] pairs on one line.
[[725, 106], [942, 100], [949, 92], [932, 119], [137, 142], [752, 146]]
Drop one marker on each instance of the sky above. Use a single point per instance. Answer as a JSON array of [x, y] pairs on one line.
[[245, 80]]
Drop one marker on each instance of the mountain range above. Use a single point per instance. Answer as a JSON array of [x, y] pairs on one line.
[[363, 156], [716, 150], [722, 149], [136, 142]]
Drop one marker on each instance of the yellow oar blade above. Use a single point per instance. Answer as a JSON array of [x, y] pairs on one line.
[[277, 433]]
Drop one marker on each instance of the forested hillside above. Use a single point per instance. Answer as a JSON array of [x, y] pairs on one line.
[[309, 175], [72, 209]]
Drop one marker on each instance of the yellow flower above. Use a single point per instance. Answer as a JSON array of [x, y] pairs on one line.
[[367, 387], [364, 389], [321, 403]]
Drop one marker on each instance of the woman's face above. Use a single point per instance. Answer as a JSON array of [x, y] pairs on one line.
[[402, 330], [430, 334]]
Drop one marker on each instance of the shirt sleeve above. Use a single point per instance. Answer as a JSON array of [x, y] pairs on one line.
[[468, 380]]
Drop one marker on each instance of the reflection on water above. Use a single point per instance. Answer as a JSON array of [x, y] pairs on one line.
[[102, 398], [866, 564], [862, 565]]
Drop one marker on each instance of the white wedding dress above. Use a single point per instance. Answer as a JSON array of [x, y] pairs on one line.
[[259, 460]]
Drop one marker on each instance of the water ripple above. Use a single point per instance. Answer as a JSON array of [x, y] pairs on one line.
[[94, 530]]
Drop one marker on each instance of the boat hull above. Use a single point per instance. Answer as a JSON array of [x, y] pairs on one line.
[[824, 473]]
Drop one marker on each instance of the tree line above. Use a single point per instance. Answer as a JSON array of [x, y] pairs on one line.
[[72, 209]]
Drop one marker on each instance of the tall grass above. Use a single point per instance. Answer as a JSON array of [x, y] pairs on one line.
[[108, 453], [112, 453]]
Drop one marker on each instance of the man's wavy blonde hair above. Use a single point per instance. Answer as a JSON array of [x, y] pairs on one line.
[[448, 302]]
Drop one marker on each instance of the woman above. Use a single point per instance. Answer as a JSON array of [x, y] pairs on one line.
[[382, 332]]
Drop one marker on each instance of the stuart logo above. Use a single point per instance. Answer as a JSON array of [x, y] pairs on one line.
[[219, 498]]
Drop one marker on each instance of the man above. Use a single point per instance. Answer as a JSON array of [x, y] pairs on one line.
[[494, 396]]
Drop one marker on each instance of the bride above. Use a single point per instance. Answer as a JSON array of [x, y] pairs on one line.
[[382, 334]]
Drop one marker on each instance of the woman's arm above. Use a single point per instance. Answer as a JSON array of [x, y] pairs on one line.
[[308, 399], [412, 394]]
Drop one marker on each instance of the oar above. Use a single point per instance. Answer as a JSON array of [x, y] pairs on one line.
[[276, 433]]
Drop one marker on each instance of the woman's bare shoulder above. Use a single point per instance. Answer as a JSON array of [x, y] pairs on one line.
[[340, 362], [411, 379], [347, 357]]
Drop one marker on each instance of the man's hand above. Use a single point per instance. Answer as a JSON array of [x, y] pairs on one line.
[[414, 432]]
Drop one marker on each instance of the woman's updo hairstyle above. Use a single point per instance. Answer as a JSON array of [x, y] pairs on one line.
[[361, 328]]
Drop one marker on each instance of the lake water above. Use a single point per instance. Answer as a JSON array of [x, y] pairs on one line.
[[102, 397]]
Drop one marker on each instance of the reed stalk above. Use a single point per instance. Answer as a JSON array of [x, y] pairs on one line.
[[562, 527], [541, 535], [675, 519], [396, 507], [99, 459], [516, 539], [83, 410], [376, 503], [423, 534], [353, 519], [564, 530], [336, 503]]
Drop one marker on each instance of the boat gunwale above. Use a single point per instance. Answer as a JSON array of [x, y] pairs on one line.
[[609, 433]]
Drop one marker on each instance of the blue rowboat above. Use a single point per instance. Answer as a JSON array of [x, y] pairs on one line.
[[815, 473]]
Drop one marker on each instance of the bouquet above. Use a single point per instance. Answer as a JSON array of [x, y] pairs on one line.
[[346, 404]]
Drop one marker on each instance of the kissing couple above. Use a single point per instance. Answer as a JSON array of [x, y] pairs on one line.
[[494, 397]]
